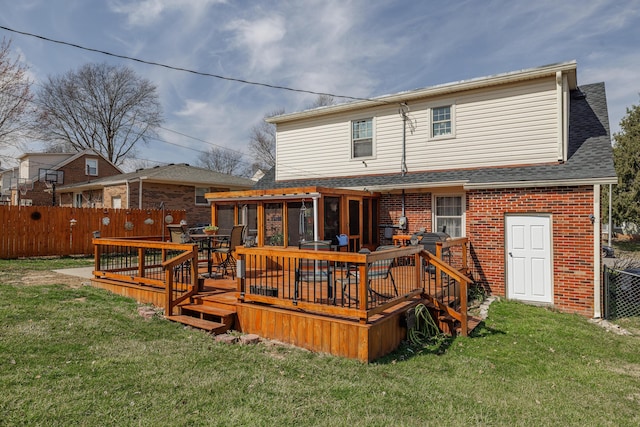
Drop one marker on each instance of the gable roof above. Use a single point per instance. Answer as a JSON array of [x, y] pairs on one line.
[[85, 152], [180, 173], [568, 67], [590, 160]]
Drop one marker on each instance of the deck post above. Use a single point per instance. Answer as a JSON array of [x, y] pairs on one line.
[[363, 293], [97, 251], [168, 305], [141, 262]]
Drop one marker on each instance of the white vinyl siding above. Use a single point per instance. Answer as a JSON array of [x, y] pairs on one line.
[[513, 124]]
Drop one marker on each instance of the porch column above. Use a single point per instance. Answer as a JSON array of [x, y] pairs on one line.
[[315, 218]]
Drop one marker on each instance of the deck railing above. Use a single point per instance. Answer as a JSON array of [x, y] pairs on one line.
[[446, 287], [165, 266], [354, 285]]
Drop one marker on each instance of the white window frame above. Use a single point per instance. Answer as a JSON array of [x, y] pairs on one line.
[[77, 200], [89, 165], [206, 190], [451, 120], [462, 216], [116, 202], [354, 141]]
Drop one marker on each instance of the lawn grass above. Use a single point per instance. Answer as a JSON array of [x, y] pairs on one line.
[[83, 356]]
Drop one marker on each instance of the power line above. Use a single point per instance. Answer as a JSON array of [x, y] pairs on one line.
[[238, 80], [186, 70]]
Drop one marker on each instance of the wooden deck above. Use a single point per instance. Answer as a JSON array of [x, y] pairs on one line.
[[307, 319]]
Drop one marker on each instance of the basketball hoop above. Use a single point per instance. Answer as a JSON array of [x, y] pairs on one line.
[[51, 177], [23, 186]]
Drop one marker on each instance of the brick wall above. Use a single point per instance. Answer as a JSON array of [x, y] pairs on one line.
[[485, 219], [76, 171], [417, 209], [572, 238], [174, 197]]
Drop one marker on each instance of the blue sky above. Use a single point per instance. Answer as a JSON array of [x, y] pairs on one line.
[[359, 48]]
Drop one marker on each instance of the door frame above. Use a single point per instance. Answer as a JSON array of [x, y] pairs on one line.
[[549, 253]]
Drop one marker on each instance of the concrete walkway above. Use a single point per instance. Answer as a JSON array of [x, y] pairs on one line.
[[84, 272]]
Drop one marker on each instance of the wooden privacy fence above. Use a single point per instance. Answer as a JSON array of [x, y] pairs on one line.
[[33, 231]]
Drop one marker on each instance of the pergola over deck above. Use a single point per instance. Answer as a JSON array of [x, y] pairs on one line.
[[283, 217]]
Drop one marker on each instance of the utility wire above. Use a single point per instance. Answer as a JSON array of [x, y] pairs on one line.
[[247, 163], [186, 70]]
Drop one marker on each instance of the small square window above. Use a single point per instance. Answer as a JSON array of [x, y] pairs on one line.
[[91, 166], [200, 195], [441, 121], [362, 138]]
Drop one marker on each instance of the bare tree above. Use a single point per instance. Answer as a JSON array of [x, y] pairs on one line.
[[322, 101], [262, 142], [15, 96], [105, 107], [223, 161], [263, 136]]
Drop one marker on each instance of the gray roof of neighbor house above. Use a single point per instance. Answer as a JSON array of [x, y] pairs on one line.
[[180, 173], [589, 160]]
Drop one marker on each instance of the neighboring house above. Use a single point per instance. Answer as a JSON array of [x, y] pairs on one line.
[[5, 185], [175, 186], [514, 162], [36, 180]]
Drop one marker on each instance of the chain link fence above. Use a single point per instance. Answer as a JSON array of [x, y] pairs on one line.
[[621, 293]]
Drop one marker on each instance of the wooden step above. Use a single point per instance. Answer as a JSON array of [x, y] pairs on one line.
[[209, 309], [207, 325], [472, 323]]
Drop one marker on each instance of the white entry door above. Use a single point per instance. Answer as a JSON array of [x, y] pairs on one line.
[[529, 258]]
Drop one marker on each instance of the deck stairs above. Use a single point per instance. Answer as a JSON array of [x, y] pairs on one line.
[[447, 323], [213, 313]]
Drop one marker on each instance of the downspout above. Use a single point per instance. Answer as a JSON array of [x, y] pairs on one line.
[[126, 183], [315, 219], [139, 193], [403, 110], [597, 270], [610, 220]]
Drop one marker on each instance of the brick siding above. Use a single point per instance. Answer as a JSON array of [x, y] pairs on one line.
[[572, 239], [572, 235]]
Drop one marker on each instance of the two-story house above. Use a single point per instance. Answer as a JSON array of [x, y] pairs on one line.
[[514, 162], [38, 175]]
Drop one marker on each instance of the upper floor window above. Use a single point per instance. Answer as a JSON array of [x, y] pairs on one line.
[[441, 121], [449, 215], [200, 192], [91, 166], [362, 138]]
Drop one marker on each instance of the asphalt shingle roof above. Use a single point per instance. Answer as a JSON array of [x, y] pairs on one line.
[[589, 157], [180, 173]]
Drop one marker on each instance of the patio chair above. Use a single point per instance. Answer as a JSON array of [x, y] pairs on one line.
[[179, 233], [313, 271], [227, 252], [381, 270]]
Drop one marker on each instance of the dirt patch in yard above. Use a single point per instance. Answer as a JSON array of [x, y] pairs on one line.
[[41, 278]]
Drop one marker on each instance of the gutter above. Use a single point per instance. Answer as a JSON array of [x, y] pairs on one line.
[[459, 86], [545, 183]]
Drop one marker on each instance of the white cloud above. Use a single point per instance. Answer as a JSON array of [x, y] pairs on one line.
[[260, 39], [144, 13]]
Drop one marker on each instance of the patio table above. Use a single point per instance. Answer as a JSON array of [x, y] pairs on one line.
[[213, 241]]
